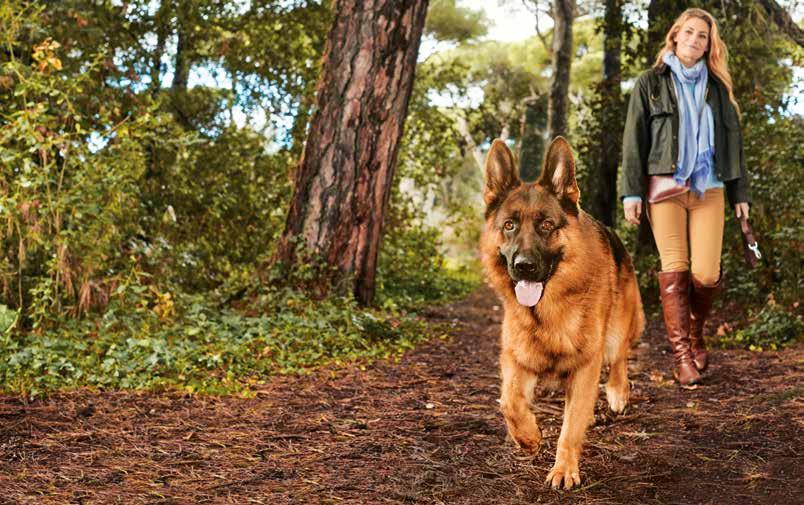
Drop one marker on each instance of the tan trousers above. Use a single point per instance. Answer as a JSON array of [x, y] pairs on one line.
[[689, 233]]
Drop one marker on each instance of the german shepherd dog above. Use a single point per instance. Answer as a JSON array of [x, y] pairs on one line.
[[570, 297]]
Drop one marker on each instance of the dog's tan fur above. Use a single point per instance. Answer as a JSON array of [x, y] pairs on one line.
[[589, 315]]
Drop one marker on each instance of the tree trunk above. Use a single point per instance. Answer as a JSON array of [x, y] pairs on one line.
[[531, 144], [603, 177], [343, 182], [182, 61], [563, 11]]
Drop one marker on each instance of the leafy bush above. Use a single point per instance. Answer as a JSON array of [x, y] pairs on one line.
[[230, 339], [69, 209], [412, 271], [215, 209], [774, 153], [772, 327], [140, 342]]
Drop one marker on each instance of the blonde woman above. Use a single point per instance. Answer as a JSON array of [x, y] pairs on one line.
[[682, 150]]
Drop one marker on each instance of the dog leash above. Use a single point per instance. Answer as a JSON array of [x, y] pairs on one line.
[[752, 252]]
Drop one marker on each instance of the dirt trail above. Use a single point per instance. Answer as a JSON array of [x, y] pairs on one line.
[[424, 430]]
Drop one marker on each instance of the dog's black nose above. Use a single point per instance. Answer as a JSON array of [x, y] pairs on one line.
[[524, 266]]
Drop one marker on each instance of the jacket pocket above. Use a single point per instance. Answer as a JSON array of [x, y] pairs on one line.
[[661, 146]]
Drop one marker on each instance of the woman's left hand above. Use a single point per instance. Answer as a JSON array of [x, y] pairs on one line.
[[741, 209]]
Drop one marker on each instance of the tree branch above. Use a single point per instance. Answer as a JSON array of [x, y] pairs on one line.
[[477, 153], [547, 45], [535, 7], [783, 21]]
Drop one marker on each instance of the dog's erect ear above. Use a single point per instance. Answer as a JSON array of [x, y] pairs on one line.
[[501, 176], [558, 173]]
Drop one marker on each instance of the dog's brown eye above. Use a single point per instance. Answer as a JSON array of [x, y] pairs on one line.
[[548, 225], [508, 225]]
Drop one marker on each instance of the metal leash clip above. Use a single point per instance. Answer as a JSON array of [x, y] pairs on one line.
[[755, 248]]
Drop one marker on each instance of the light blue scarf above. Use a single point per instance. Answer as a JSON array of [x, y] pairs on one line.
[[696, 130]]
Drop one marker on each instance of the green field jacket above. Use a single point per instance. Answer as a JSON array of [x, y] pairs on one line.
[[650, 139]]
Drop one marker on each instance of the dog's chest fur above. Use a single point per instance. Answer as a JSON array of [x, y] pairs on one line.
[[562, 332]]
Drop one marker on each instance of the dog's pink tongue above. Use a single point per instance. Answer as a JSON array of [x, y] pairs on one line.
[[528, 293]]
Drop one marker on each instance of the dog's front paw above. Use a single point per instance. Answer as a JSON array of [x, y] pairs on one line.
[[528, 442], [617, 398], [566, 472], [522, 428]]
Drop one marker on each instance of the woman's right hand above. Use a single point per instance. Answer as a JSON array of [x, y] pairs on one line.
[[632, 211]]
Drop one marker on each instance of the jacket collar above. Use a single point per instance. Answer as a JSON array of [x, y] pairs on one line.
[[664, 70], [661, 69]]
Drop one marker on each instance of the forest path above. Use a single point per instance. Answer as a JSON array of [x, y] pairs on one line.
[[424, 430]]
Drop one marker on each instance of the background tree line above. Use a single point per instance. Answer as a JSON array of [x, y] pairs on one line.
[[171, 212]]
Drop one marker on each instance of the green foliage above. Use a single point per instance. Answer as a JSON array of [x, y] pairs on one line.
[[447, 21], [104, 177], [214, 209], [137, 218], [8, 318], [775, 155], [202, 343], [139, 342], [773, 327], [413, 271], [428, 153], [68, 210]]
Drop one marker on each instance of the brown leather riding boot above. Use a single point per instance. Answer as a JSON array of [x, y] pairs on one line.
[[701, 298], [674, 288]]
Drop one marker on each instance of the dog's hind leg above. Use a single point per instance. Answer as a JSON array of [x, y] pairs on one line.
[[626, 326], [518, 385], [618, 389]]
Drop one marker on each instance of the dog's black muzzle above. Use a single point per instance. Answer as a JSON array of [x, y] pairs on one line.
[[528, 267]]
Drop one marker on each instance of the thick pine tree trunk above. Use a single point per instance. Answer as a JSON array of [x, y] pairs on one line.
[[563, 12], [603, 197], [343, 182]]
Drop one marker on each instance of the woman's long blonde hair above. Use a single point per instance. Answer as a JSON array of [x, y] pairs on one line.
[[717, 55]]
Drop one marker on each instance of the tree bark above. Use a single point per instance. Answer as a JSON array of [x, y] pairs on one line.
[[563, 11], [343, 181], [603, 177], [181, 70], [531, 134]]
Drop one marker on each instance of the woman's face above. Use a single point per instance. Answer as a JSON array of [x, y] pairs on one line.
[[692, 40]]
